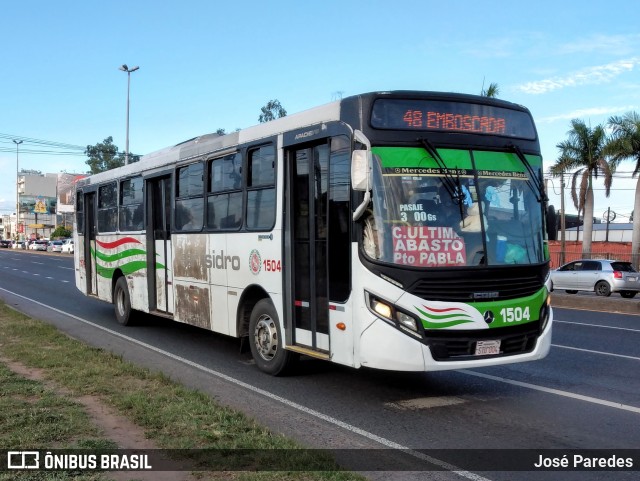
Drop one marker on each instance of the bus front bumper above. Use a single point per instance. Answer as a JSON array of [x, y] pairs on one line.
[[382, 346]]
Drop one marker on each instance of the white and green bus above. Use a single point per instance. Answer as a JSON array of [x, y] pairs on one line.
[[395, 230]]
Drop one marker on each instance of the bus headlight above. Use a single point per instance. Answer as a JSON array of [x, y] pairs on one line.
[[406, 320], [392, 314], [545, 313], [381, 308]]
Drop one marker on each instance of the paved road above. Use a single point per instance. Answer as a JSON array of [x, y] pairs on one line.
[[584, 395]]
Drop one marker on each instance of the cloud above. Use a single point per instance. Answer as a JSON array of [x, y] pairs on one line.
[[580, 113], [589, 76], [621, 44]]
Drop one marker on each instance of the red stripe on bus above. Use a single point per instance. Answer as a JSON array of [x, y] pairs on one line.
[[119, 242], [444, 310]]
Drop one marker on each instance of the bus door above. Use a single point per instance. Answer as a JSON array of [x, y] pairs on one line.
[[308, 303], [89, 247], [159, 255]]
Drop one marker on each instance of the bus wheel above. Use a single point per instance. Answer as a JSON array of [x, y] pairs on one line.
[[265, 339], [122, 302]]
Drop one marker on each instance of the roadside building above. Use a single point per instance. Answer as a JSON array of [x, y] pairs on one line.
[[45, 201]]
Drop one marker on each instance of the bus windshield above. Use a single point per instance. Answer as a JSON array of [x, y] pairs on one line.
[[474, 208]]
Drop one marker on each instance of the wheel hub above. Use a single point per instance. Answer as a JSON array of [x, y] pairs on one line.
[[265, 338]]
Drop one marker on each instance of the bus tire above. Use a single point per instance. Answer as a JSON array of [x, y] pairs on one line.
[[265, 339], [122, 302]]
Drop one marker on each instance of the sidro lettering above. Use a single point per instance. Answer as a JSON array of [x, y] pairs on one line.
[[220, 261]]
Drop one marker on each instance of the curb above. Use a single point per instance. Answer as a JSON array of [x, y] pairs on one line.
[[594, 303]]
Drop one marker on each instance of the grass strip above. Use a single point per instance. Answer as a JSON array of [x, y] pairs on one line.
[[33, 415], [171, 415]]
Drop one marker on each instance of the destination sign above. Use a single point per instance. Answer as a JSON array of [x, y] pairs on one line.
[[448, 116]]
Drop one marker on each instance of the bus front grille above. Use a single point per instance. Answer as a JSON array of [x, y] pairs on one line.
[[476, 288], [460, 345]]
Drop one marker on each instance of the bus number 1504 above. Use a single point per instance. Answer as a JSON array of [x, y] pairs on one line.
[[514, 314], [272, 265]]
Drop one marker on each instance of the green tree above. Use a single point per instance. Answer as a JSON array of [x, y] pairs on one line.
[[61, 231], [492, 90], [584, 152], [273, 110], [106, 156], [624, 144]]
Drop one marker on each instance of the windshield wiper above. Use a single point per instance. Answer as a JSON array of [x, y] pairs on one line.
[[537, 186], [450, 184]]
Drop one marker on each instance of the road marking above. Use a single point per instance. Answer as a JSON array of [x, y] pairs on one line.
[[595, 309], [535, 387], [70, 268], [597, 352], [597, 325], [312, 412], [425, 403], [34, 262], [36, 274]]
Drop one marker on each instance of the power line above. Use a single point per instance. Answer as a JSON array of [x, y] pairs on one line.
[[42, 147], [39, 152], [27, 140]]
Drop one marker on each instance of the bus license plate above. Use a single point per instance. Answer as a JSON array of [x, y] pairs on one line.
[[484, 348]]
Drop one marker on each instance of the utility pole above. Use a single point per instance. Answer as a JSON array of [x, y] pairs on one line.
[[17, 142], [124, 68], [562, 221]]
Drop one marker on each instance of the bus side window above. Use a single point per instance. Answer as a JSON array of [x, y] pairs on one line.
[[131, 207], [108, 207], [80, 212], [224, 194], [261, 195], [189, 201]]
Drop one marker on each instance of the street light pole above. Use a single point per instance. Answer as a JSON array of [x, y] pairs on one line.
[[17, 142], [124, 68]]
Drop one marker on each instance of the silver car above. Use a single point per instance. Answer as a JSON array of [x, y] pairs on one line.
[[599, 275]]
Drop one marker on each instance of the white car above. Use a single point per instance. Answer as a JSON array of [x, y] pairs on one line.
[[67, 246], [54, 246], [39, 245]]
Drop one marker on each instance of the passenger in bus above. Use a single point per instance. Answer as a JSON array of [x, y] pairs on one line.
[[185, 219], [373, 241], [190, 224]]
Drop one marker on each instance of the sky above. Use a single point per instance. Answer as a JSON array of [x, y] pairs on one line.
[[206, 65]]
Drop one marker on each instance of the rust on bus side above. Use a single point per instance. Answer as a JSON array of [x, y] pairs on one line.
[[193, 305], [188, 257]]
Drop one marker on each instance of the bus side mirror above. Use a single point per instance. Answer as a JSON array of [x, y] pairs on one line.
[[360, 170], [361, 161]]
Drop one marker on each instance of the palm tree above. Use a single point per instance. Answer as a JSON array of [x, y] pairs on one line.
[[492, 90], [625, 145], [584, 151]]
